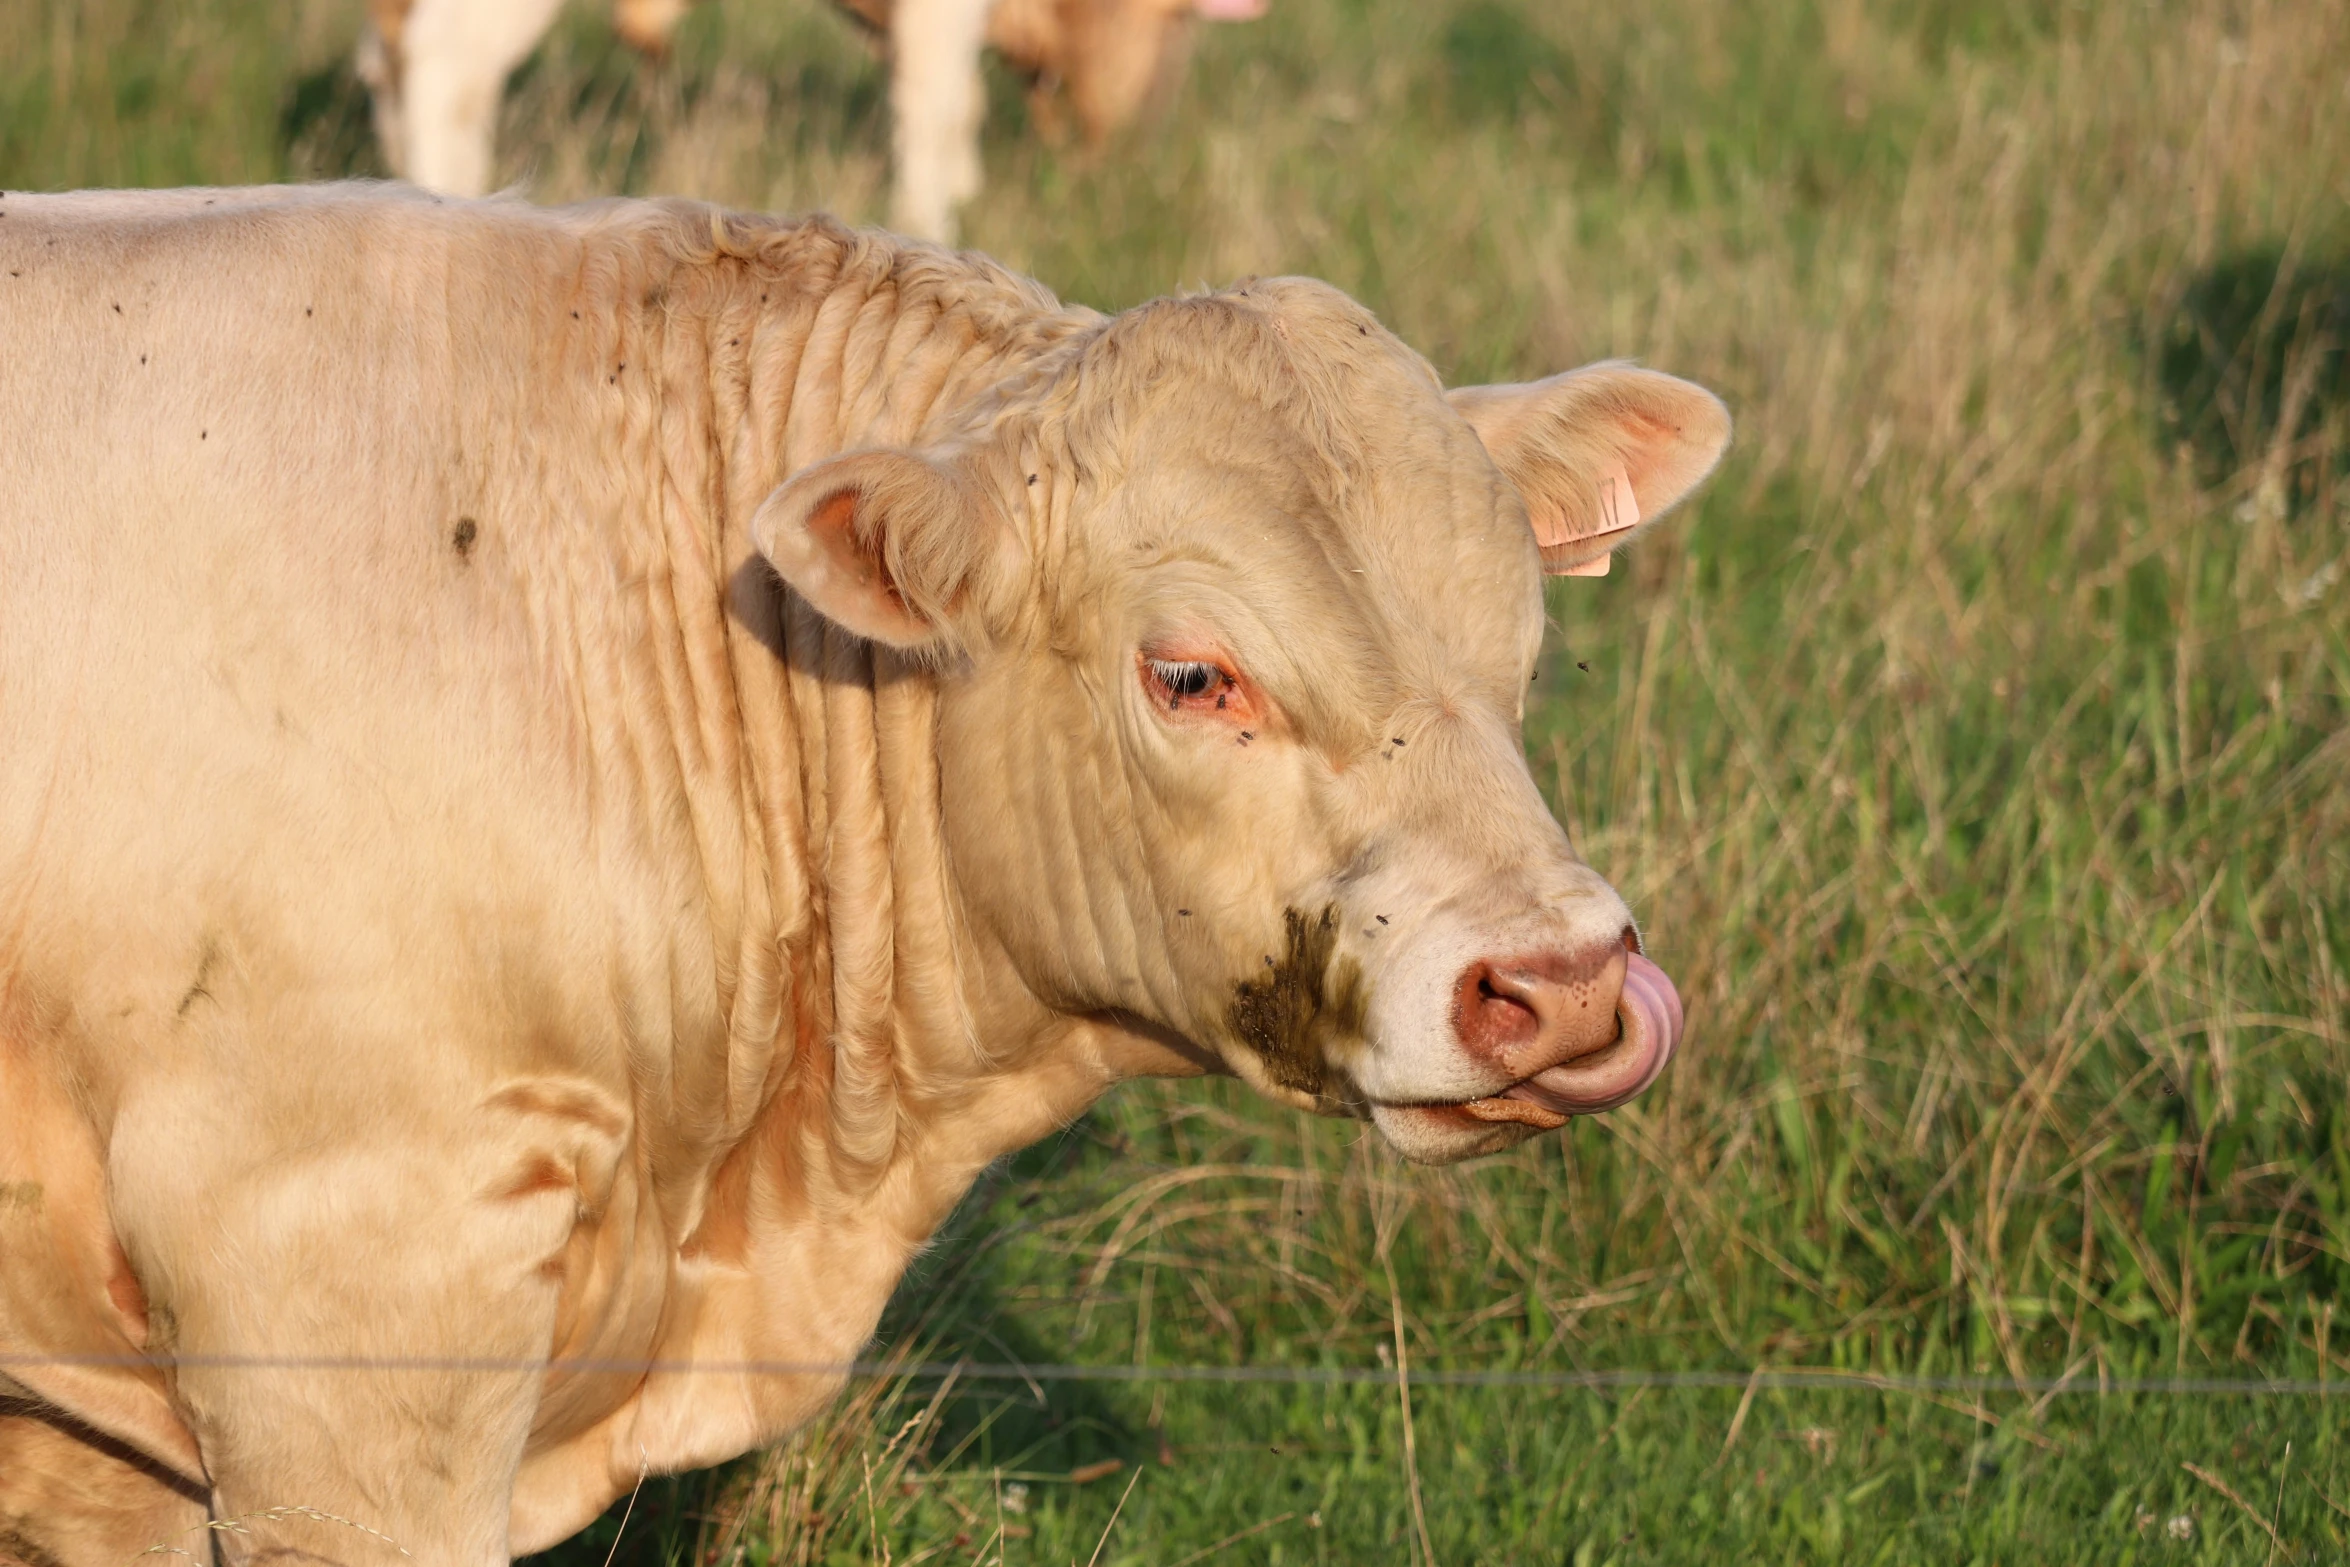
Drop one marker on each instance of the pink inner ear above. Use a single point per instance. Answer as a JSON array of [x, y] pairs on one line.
[[1619, 512]]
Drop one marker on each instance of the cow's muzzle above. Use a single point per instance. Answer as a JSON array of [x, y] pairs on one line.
[[1587, 1034]]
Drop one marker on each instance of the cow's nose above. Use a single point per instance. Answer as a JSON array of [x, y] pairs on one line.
[[1532, 1011]]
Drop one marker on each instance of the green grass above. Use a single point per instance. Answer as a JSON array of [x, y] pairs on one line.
[[1820, 1478], [1976, 753]]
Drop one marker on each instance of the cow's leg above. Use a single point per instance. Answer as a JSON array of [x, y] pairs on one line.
[[938, 99], [71, 1497], [454, 58], [356, 1292], [379, 68]]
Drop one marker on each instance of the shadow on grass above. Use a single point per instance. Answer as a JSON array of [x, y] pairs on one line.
[[2254, 370], [1496, 65], [325, 127]]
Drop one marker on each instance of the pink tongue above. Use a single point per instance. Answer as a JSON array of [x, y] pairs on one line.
[[1229, 10], [1649, 1014]]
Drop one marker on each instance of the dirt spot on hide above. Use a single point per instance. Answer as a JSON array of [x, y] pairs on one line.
[[1288, 1015], [200, 988], [17, 1547]]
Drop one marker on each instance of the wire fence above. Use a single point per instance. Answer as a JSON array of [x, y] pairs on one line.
[[1760, 1379]]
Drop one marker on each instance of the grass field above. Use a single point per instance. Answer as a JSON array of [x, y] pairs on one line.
[[1977, 755]]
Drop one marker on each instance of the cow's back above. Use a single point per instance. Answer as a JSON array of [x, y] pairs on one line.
[[283, 482]]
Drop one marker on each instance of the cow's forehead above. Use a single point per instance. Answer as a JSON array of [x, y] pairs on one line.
[[1278, 429]]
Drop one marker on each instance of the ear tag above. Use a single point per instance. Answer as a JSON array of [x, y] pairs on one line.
[[1619, 512]]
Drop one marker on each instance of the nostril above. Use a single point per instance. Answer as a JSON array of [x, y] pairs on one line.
[[1534, 1010], [1631, 939], [1514, 1002], [1490, 1013]]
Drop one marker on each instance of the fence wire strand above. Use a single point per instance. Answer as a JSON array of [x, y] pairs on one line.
[[1772, 1377]]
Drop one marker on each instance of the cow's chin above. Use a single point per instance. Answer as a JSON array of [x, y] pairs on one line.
[[1447, 1134]]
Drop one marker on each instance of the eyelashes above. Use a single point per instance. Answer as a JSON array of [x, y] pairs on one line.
[[1183, 678], [1208, 687]]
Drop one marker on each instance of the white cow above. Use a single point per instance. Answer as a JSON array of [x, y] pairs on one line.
[[438, 68], [569, 778]]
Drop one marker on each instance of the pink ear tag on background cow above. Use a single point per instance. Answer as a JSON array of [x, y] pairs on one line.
[[1619, 512]]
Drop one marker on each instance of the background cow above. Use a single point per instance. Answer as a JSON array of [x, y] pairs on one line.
[[437, 68], [467, 911]]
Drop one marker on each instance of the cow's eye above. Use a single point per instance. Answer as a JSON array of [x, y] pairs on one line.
[[1206, 687], [1183, 678]]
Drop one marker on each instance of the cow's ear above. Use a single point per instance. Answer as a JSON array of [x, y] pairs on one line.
[[898, 546], [1597, 453]]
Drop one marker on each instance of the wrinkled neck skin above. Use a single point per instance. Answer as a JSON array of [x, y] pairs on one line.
[[852, 341], [844, 1050]]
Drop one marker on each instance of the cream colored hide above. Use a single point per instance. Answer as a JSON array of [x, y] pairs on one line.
[[437, 69], [457, 905]]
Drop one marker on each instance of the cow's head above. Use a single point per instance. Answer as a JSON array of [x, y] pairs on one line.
[[1236, 611]]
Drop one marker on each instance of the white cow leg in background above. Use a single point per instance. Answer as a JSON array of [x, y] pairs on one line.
[[452, 61], [379, 68], [938, 100]]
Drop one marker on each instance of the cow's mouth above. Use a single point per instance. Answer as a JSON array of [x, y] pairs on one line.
[[1648, 1018]]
